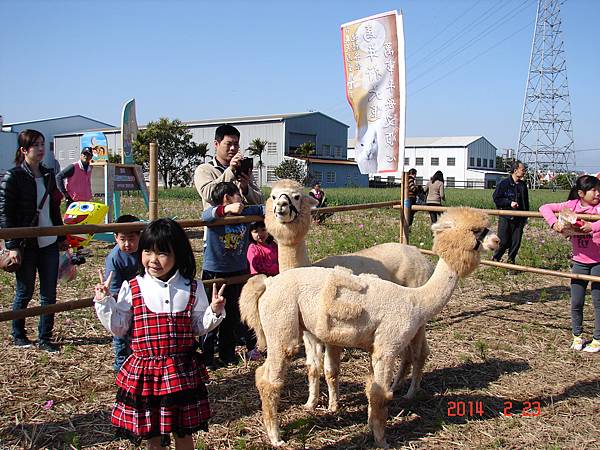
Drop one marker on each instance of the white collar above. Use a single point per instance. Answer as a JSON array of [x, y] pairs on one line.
[[174, 280]]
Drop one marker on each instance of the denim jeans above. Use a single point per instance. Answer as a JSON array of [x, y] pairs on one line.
[[122, 349], [45, 262]]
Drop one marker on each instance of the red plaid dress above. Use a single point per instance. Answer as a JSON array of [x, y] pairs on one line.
[[161, 386]]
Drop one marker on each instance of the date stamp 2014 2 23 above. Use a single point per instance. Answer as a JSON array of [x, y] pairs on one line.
[[475, 408]]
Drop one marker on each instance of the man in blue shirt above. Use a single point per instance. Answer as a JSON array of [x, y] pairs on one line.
[[122, 261]]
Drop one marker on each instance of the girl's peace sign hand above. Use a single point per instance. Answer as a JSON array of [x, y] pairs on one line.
[[101, 289], [218, 301]]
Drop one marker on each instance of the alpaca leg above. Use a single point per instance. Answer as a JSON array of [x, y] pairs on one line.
[[314, 367], [420, 352], [379, 394], [332, 371], [405, 364], [269, 381]]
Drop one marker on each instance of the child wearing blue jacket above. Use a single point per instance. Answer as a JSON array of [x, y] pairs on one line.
[[225, 249]]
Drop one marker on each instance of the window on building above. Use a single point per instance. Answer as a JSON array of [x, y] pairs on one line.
[[271, 148], [326, 149], [418, 161], [451, 161], [471, 161], [478, 162], [491, 163], [406, 161], [338, 151], [271, 174], [435, 161], [419, 181], [484, 162], [318, 176], [331, 177], [451, 181]]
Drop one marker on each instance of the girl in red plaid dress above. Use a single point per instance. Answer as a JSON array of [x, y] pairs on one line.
[[161, 385]]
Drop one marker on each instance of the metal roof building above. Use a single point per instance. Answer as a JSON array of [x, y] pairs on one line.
[[284, 133], [49, 128]]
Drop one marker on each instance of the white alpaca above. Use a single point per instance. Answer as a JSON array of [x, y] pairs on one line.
[[287, 217], [343, 310]]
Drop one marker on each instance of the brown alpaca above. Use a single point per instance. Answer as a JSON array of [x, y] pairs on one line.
[[288, 219], [343, 310]]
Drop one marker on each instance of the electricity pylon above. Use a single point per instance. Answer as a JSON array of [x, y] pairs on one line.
[[546, 136]]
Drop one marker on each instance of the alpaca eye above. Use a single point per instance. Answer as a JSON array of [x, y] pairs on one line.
[[297, 197], [273, 197]]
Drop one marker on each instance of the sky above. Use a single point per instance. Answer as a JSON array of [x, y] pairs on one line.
[[466, 62]]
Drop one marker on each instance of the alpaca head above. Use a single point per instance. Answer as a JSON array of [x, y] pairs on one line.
[[288, 212], [460, 235]]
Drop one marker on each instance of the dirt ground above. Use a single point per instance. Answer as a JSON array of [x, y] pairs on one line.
[[500, 375]]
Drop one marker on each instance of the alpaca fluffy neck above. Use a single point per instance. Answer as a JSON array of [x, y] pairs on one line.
[[291, 256], [434, 294]]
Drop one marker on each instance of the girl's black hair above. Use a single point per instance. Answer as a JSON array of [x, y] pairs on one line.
[[26, 140], [255, 226], [438, 176], [166, 235], [222, 188], [583, 183]]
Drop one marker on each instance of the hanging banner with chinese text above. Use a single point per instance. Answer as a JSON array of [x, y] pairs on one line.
[[129, 131], [373, 50]]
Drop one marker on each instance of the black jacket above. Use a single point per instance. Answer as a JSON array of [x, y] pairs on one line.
[[19, 202], [507, 191]]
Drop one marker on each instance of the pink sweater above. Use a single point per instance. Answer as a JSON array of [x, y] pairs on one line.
[[263, 258], [586, 247]]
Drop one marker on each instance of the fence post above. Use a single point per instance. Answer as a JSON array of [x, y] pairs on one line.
[[405, 211], [153, 193]]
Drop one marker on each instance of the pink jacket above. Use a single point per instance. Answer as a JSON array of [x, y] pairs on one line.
[[79, 186], [586, 247], [263, 258]]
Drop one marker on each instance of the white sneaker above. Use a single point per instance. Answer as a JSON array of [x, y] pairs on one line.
[[578, 343], [593, 347]]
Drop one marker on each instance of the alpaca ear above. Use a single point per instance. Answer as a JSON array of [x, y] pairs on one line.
[[442, 224], [312, 202]]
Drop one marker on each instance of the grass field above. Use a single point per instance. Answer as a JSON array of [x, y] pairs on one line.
[[500, 374]]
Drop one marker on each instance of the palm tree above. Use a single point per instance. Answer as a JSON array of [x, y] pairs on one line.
[[257, 147], [202, 150], [305, 150]]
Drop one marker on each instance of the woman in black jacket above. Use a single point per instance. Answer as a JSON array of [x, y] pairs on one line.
[[21, 192]]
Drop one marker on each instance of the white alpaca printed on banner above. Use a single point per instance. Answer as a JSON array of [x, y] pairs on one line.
[[374, 68]]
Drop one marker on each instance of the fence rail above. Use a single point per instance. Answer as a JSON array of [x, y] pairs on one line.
[[8, 233]]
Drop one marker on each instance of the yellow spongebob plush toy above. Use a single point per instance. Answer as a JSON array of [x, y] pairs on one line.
[[83, 213]]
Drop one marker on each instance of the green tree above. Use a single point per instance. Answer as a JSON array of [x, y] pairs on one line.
[[257, 147], [304, 151], [178, 155], [292, 169]]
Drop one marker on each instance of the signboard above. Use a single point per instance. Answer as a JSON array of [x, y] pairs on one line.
[[373, 50], [98, 143], [129, 131], [124, 179]]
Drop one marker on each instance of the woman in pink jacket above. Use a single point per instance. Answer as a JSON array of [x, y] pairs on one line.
[[584, 198]]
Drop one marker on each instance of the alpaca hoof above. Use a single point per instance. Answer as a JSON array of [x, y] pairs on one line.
[[333, 407], [310, 406], [382, 444], [278, 443]]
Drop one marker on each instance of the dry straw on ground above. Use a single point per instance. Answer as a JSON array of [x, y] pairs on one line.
[[501, 344]]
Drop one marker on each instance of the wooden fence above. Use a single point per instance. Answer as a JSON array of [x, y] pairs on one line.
[[136, 226]]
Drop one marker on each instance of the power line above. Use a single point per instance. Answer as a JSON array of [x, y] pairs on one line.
[[461, 15], [504, 19], [472, 59]]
